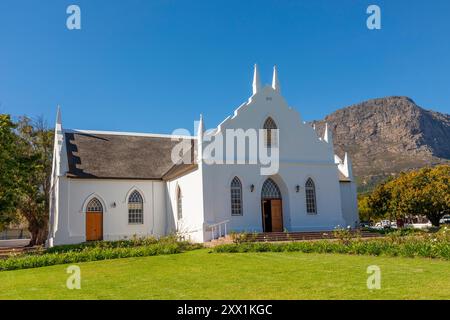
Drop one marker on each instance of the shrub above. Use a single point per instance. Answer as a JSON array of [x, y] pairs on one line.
[[241, 237], [344, 235], [435, 245], [98, 251]]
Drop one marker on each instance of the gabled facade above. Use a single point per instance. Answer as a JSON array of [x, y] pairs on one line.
[[308, 188]]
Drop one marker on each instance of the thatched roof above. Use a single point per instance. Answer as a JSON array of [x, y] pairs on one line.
[[127, 156]]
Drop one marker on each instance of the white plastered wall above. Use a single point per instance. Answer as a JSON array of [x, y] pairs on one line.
[[191, 225], [349, 204], [113, 194]]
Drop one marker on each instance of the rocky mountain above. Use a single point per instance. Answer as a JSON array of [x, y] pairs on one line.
[[388, 135]]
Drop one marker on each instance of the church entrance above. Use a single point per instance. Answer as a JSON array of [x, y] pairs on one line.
[[271, 205]]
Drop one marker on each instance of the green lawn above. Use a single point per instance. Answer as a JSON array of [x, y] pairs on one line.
[[202, 275]]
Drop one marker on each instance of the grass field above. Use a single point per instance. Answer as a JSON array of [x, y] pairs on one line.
[[202, 275]]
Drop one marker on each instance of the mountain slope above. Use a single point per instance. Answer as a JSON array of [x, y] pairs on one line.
[[387, 135]]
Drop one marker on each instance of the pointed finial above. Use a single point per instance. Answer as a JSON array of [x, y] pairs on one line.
[[327, 136], [256, 80], [58, 114], [200, 128], [58, 123], [348, 166], [275, 81], [200, 131]]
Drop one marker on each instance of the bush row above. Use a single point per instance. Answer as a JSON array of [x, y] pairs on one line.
[[134, 242], [93, 253], [409, 246]]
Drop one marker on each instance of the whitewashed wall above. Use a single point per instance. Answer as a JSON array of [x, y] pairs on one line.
[[329, 214], [191, 225], [349, 204], [71, 217]]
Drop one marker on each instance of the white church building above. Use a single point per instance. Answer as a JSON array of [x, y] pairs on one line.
[[119, 185]]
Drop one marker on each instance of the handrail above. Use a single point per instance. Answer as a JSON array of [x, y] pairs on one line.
[[218, 227], [216, 224]]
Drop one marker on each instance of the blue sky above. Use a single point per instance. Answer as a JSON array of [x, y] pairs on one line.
[[155, 65]]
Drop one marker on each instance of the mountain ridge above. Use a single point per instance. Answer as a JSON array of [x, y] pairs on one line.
[[385, 136]]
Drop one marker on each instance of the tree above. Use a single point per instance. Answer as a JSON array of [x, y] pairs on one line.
[[379, 200], [422, 192], [366, 213], [35, 148], [429, 193], [8, 171]]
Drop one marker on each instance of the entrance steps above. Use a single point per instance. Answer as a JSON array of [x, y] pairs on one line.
[[286, 236], [216, 242], [6, 252], [299, 236]]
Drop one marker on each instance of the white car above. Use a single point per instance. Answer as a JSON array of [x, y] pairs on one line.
[[445, 219], [385, 224]]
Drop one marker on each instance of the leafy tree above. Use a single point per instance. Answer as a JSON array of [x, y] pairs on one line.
[[35, 147], [366, 213], [379, 200], [422, 192], [8, 171], [429, 193]]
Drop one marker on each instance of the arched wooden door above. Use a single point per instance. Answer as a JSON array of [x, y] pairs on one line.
[[94, 220], [271, 205]]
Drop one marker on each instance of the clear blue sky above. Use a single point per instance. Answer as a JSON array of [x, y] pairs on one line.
[[155, 65]]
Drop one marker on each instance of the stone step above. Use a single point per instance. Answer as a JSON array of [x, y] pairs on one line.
[[6, 251], [293, 236]]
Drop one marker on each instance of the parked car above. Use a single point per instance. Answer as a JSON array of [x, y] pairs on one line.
[[386, 224], [445, 219], [364, 224], [377, 226]]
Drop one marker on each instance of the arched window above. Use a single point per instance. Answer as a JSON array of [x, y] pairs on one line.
[[94, 205], [310, 190], [179, 204], [236, 197], [135, 208], [270, 190], [270, 132]]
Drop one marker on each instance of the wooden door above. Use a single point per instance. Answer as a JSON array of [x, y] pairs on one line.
[[266, 216], [277, 215], [94, 226]]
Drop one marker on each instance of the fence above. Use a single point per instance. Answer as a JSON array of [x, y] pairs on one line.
[[9, 234]]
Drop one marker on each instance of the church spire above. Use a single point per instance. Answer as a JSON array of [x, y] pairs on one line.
[[327, 136], [58, 142], [200, 132], [275, 81], [200, 128], [58, 124], [256, 80]]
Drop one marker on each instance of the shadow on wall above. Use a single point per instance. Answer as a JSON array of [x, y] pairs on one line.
[[171, 225]]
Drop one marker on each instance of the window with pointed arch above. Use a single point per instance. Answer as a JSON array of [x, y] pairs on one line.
[[135, 208], [179, 204], [94, 205], [310, 191], [270, 133], [236, 197]]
